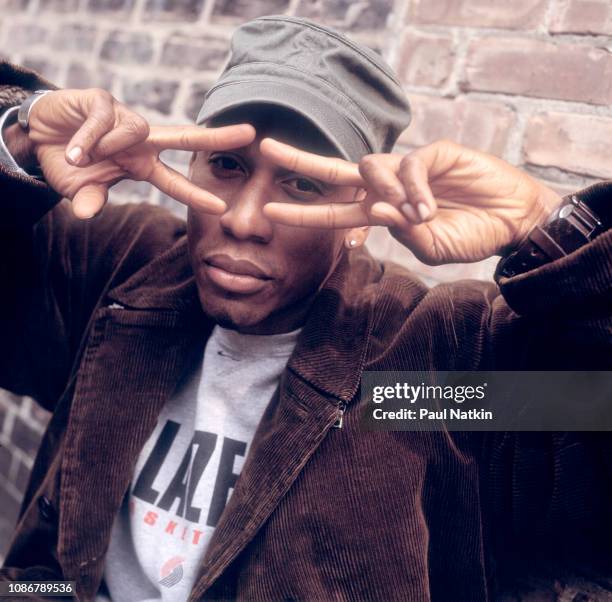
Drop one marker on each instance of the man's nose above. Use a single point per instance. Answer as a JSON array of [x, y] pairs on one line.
[[244, 218]]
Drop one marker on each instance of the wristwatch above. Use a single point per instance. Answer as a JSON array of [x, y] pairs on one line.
[[6, 158], [23, 115], [577, 220]]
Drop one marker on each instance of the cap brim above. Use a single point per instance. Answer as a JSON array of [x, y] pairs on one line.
[[340, 132]]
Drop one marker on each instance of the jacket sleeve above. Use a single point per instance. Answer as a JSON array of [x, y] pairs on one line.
[[568, 302], [545, 494], [551, 491], [55, 269], [24, 200], [555, 317]]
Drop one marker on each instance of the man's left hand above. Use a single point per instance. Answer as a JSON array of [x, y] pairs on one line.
[[445, 202]]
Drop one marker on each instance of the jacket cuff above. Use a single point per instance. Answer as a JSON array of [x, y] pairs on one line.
[[24, 199], [582, 279]]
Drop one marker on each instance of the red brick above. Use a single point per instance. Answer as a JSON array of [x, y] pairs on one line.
[[5, 461], [108, 6], [13, 6], [125, 47], [3, 413], [195, 100], [518, 14], [22, 477], [170, 10], [40, 415], [27, 35], [584, 16], [576, 143], [357, 16], [542, 69], [74, 37], [7, 527], [153, 94], [247, 9], [426, 59], [48, 69], [60, 6], [25, 437], [481, 125], [202, 53], [80, 76], [10, 507]]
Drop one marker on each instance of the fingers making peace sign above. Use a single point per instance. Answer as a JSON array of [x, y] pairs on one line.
[[445, 202], [86, 141]]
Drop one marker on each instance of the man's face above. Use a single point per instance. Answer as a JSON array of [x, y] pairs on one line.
[[253, 274]]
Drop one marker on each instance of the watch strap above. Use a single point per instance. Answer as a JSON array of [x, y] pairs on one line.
[[6, 158], [23, 115]]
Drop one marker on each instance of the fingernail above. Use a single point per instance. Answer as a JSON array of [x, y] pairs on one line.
[[410, 213], [423, 210], [81, 212], [75, 153]]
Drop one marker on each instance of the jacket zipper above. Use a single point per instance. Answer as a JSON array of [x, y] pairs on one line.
[[340, 420]]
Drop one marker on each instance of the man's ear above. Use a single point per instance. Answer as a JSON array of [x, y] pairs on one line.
[[356, 237]]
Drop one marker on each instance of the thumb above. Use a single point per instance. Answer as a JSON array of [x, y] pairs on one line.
[[89, 200]]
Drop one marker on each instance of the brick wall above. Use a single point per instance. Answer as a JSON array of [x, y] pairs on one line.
[[528, 80]]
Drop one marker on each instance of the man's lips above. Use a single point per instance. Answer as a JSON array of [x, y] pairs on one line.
[[235, 275]]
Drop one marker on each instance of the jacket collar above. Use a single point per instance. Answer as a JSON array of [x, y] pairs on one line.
[[335, 333], [165, 283]]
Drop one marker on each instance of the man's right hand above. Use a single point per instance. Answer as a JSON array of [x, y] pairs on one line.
[[85, 141]]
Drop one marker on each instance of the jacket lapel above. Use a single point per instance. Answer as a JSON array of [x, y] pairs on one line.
[[323, 372], [290, 431], [139, 346]]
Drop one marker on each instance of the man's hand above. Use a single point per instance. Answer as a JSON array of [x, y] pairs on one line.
[[445, 202], [85, 141]]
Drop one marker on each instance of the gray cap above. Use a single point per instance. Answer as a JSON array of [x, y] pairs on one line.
[[345, 89]]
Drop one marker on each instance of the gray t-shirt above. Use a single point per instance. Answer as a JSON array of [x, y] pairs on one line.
[[188, 467]]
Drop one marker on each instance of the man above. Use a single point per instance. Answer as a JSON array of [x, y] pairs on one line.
[[166, 355]]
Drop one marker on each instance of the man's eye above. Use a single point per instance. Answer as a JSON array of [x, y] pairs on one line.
[[304, 186], [225, 163]]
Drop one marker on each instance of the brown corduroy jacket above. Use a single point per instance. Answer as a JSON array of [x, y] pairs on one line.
[[99, 319]]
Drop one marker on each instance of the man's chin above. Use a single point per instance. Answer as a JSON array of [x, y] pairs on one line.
[[226, 322], [235, 318]]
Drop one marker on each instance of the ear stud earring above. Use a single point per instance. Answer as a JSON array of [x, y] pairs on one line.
[[352, 243]]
